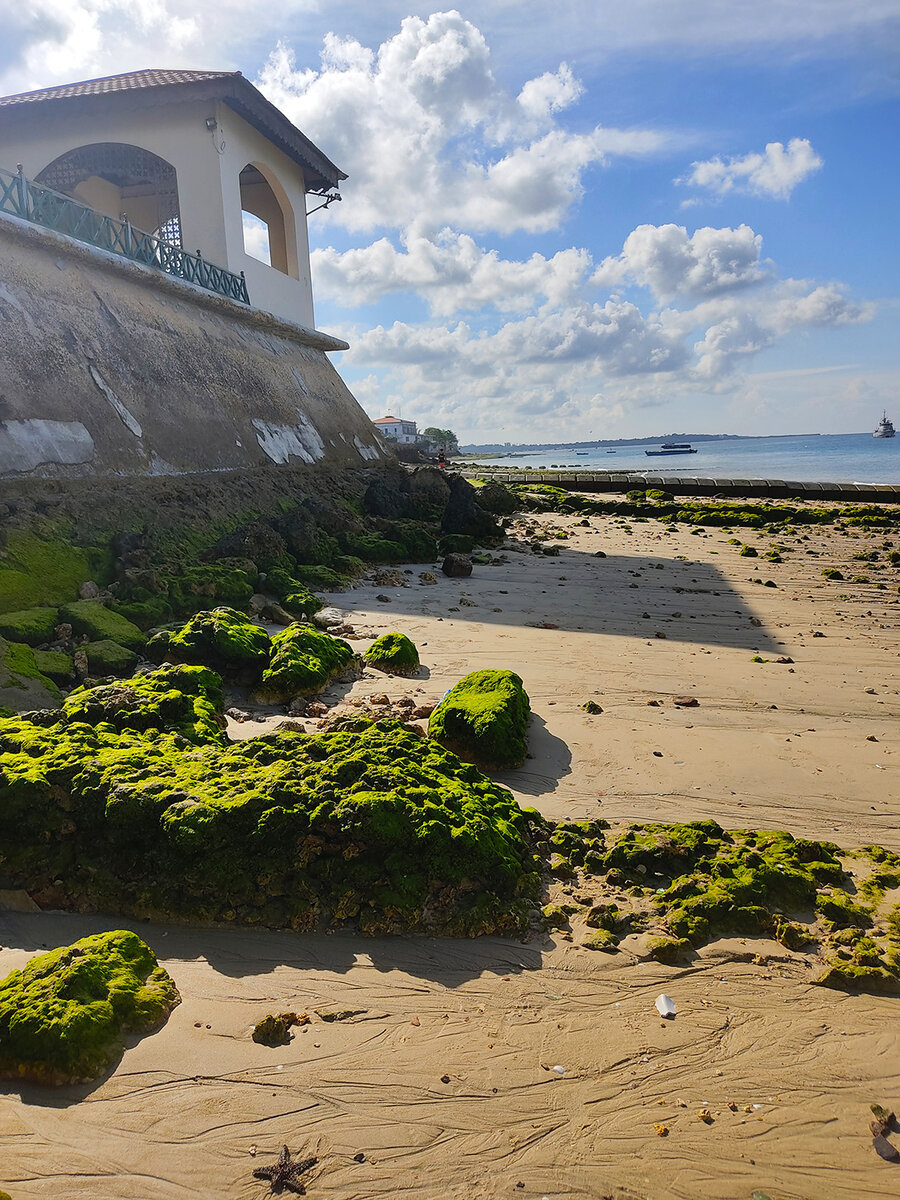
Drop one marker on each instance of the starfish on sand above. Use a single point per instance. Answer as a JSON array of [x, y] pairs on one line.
[[284, 1174]]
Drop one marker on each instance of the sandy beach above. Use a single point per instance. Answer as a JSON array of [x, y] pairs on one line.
[[787, 1070]]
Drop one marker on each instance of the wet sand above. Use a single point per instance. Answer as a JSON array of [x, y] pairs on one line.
[[768, 745]]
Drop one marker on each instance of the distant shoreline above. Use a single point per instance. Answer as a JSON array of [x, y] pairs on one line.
[[493, 450]]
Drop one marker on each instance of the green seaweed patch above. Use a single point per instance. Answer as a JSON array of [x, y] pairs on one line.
[[857, 963], [601, 939], [546, 498], [295, 596], [840, 911], [107, 657], [22, 684], [219, 638], [691, 883], [705, 881], [187, 700], [99, 623], [34, 626], [203, 585], [378, 827], [55, 664], [484, 718], [63, 1016], [456, 543], [394, 653], [44, 567], [885, 874], [304, 659], [668, 950]]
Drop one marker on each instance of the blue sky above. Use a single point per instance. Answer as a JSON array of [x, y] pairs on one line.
[[588, 219]]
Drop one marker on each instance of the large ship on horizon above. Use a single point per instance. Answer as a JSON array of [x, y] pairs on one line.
[[884, 428], [672, 448]]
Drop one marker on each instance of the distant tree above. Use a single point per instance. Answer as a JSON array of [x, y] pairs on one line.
[[438, 438]]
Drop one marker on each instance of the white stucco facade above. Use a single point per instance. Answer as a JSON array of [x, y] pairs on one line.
[[402, 432], [209, 145]]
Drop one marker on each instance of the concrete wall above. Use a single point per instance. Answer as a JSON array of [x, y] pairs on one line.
[[108, 368], [207, 165]]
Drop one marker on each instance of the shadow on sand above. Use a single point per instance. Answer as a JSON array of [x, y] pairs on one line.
[[636, 596]]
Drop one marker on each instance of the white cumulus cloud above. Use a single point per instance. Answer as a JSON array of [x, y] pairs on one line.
[[450, 271], [427, 134], [773, 174], [671, 263]]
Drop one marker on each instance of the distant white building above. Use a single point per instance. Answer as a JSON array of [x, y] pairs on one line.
[[403, 432]]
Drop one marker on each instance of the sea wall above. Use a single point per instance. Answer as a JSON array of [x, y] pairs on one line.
[[110, 369]]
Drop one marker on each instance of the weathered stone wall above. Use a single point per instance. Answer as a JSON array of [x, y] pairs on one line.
[[109, 368]]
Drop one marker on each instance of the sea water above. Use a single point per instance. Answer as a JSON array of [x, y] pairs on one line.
[[808, 458]]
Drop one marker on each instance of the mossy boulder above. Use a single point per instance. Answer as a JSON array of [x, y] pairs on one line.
[[63, 1016], [273, 1030], [41, 565], [601, 939], [456, 543], [219, 638], [374, 825], [107, 657], [483, 719], [55, 664], [668, 950], [99, 623], [304, 659], [394, 653], [184, 699], [34, 626], [295, 596], [22, 685], [497, 499], [706, 881], [201, 585]]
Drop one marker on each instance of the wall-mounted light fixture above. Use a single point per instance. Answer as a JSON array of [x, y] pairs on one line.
[[211, 123]]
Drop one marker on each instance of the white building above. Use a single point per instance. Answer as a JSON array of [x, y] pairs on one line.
[[184, 155], [402, 432]]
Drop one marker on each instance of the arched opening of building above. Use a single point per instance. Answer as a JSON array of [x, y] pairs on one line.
[[266, 228], [117, 179]]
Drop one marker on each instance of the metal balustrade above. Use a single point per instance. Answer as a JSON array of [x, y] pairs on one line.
[[42, 206]]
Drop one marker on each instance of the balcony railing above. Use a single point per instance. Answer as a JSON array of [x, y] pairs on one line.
[[42, 206]]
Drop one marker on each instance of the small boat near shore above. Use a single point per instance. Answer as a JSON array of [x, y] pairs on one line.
[[885, 427], [672, 448]]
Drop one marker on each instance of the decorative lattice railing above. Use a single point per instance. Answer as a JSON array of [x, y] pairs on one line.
[[42, 206]]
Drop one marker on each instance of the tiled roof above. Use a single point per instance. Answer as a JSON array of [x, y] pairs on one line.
[[229, 87], [114, 83], [388, 421]]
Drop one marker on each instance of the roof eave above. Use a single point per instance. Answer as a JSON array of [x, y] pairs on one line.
[[233, 89]]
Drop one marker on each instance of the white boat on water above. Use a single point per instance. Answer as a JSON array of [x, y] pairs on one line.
[[884, 428]]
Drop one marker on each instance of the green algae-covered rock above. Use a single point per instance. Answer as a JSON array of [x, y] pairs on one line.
[[483, 719], [34, 626], [376, 825], [55, 664], [722, 882], [183, 699], [456, 543], [303, 660], [98, 622], [393, 652], [220, 638], [109, 658], [295, 596], [201, 584], [22, 686], [63, 1015]]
